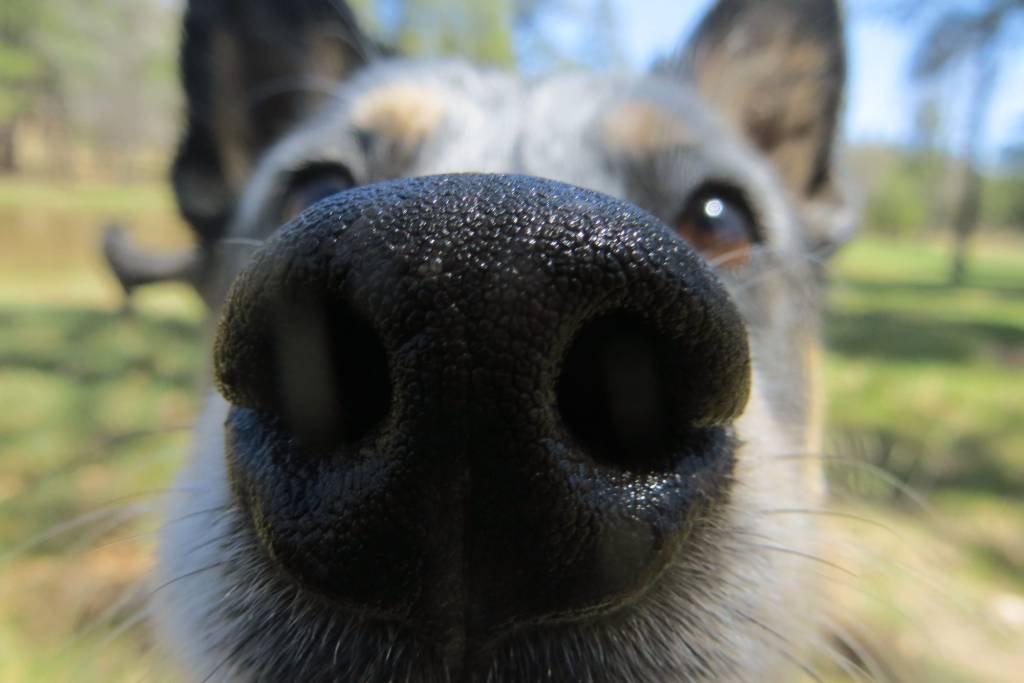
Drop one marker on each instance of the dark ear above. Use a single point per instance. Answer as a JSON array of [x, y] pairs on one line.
[[252, 69], [776, 70]]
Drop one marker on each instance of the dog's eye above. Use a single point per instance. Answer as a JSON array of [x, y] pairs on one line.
[[309, 185], [717, 222]]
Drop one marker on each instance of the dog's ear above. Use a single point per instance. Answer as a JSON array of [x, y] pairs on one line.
[[776, 70], [252, 69]]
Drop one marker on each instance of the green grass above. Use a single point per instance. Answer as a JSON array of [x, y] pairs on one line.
[[925, 382], [94, 417], [936, 374], [95, 409]]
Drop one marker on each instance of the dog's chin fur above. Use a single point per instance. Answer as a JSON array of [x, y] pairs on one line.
[[733, 606]]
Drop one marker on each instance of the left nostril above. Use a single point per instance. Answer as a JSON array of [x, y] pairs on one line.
[[613, 393], [314, 363]]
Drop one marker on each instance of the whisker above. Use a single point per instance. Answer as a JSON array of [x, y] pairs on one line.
[[883, 475], [82, 520], [159, 530], [785, 652], [108, 449], [146, 502], [186, 575], [226, 507], [801, 554], [127, 597], [242, 644], [87, 542], [210, 541], [127, 624], [859, 655], [838, 514], [858, 585]]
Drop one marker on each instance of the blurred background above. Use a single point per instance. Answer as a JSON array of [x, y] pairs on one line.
[[925, 333]]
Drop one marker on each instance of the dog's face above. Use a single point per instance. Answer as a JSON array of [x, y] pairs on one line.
[[529, 393]]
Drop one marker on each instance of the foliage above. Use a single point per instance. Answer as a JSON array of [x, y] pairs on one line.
[[908, 191], [1003, 204], [955, 32], [22, 67], [504, 33], [974, 36], [898, 200], [475, 29], [101, 71]]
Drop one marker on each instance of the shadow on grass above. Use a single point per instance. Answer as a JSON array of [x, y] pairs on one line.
[[899, 336], [932, 288], [895, 468], [96, 346], [1000, 560], [88, 390]]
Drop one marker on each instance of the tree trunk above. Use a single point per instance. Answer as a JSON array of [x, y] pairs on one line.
[[965, 224], [969, 208], [8, 148]]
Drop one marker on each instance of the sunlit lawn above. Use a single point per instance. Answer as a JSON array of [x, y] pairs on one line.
[[95, 406], [926, 382]]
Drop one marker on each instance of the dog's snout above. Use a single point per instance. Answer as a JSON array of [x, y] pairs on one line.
[[468, 402]]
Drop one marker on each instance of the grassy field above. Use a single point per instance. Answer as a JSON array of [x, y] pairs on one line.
[[926, 383], [926, 386]]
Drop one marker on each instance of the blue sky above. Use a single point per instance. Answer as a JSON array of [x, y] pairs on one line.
[[880, 105]]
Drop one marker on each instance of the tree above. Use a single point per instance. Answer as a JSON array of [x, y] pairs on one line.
[[928, 163], [100, 71], [1004, 190], [971, 36], [24, 72], [498, 32], [121, 94]]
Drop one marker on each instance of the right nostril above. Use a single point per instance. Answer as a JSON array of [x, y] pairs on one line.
[[612, 394], [622, 394], [316, 364]]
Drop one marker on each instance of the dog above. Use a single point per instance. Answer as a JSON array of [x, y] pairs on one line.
[[511, 380]]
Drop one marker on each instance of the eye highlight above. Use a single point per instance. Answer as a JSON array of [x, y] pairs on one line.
[[312, 183], [718, 223]]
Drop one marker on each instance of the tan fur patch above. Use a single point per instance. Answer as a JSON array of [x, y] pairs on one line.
[[406, 113], [641, 128]]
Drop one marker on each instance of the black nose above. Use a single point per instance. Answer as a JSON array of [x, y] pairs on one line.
[[471, 402]]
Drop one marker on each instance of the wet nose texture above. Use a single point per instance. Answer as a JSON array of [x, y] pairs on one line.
[[474, 402]]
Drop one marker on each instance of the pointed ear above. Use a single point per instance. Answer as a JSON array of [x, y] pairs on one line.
[[252, 69], [776, 70]]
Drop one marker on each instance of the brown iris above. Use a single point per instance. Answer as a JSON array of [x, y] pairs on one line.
[[717, 223]]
